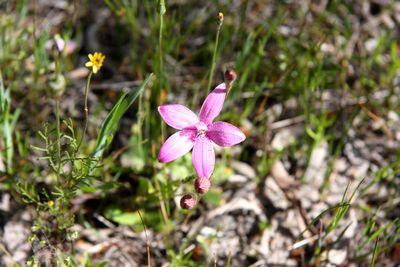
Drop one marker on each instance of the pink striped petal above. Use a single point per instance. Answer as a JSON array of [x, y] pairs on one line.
[[176, 145], [225, 134], [177, 116], [203, 157], [212, 106]]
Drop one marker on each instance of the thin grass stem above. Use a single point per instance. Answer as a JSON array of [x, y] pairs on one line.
[[147, 240], [85, 109]]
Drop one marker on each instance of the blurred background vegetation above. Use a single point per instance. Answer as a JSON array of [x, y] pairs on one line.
[[318, 86]]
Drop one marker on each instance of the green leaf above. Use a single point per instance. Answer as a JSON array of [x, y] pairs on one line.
[[121, 217], [7, 125], [213, 197], [111, 123]]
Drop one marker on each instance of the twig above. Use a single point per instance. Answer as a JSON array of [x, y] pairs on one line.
[[376, 118], [3, 248], [104, 221], [291, 197], [286, 122], [303, 242]]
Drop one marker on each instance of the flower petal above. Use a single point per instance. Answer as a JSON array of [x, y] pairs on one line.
[[225, 134], [177, 116], [203, 157], [212, 106], [176, 145]]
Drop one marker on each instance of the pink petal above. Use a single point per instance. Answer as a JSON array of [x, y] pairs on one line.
[[225, 134], [176, 145], [203, 157], [177, 116], [212, 106]]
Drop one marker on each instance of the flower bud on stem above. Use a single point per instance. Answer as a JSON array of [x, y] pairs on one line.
[[214, 56], [188, 201], [230, 77]]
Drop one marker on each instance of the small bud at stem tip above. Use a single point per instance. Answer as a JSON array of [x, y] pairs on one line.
[[230, 77], [188, 202], [221, 16]]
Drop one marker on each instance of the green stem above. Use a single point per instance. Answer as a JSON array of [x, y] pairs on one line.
[[161, 65], [214, 57], [85, 109], [57, 111], [160, 34], [140, 124]]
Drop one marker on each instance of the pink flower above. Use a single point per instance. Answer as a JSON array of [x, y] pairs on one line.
[[198, 132]]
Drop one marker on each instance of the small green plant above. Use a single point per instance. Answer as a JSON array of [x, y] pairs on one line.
[[8, 120], [69, 170]]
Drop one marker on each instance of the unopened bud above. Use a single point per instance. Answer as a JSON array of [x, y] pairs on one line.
[[188, 202], [202, 185], [230, 76], [58, 84], [221, 16]]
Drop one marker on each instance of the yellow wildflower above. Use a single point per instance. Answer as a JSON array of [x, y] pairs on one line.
[[95, 61]]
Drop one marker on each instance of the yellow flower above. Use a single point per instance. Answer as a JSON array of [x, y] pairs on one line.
[[95, 61]]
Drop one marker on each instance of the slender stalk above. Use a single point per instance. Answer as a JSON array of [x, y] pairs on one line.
[[147, 240], [85, 109], [214, 57], [162, 11], [213, 63], [140, 123], [160, 34], [162, 203], [375, 252], [32, 94], [57, 111]]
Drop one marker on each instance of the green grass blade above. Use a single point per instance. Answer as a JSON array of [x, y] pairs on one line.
[[374, 253], [6, 120]]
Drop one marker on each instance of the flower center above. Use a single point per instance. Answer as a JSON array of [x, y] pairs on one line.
[[201, 128]]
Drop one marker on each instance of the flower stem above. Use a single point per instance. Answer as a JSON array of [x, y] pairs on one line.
[[160, 34], [162, 203], [57, 112], [161, 65], [85, 109], [214, 57]]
